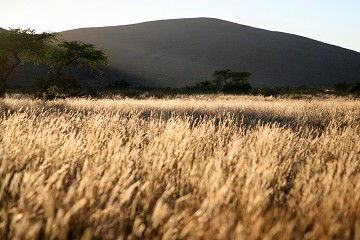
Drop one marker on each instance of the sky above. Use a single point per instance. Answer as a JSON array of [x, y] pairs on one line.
[[332, 21]]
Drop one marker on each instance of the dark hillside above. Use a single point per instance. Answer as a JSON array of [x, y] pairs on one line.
[[175, 53]]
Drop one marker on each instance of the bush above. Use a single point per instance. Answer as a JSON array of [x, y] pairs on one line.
[[119, 85], [59, 86], [237, 87], [355, 88], [342, 86]]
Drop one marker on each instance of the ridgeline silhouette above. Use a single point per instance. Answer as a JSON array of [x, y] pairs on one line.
[[183, 52]]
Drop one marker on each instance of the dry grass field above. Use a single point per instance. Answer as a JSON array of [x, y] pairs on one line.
[[201, 167]]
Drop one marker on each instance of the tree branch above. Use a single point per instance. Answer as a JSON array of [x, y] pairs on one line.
[[17, 63]]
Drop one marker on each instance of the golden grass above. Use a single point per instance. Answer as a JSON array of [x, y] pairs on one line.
[[202, 167]]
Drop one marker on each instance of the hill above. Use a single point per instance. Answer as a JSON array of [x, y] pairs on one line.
[[176, 53]]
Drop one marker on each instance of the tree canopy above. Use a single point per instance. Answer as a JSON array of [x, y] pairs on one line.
[[229, 81], [18, 46], [221, 77], [65, 55], [75, 53], [226, 80], [227, 77]]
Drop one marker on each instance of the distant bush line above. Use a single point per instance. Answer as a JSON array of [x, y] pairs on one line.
[[124, 89]]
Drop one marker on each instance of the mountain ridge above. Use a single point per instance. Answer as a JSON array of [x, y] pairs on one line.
[[216, 19], [182, 52]]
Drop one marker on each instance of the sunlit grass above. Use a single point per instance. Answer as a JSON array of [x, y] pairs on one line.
[[191, 167]]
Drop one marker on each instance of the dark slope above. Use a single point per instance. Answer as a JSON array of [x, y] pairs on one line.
[[182, 52]]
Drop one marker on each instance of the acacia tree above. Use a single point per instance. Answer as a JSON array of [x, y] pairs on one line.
[[18, 46], [230, 81], [75, 53], [222, 77], [65, 56]]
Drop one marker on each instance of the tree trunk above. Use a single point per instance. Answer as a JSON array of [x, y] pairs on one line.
[[4, 75], [2, 87]]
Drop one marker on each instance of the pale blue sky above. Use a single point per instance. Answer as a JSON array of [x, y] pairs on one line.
[[331, 21]]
